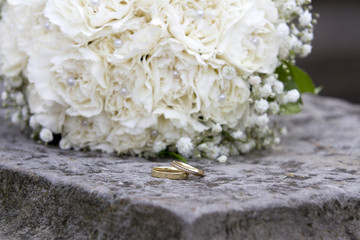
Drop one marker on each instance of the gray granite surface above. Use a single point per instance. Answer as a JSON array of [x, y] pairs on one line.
[[308, 187]]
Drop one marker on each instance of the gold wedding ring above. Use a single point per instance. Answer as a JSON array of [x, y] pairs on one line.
[[169, 172], [187, 168]]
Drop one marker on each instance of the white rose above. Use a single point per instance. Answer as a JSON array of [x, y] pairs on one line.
[[91, 132], [84, 21], [249, 39], [222, 101], [12, 59], [78, 78], [48, 114], [194, 24]]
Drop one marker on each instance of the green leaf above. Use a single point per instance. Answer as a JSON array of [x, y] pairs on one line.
[[291, 108], [167, 153], [295, 78]]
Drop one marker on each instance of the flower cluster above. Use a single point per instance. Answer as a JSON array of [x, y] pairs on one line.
[[200, 78]]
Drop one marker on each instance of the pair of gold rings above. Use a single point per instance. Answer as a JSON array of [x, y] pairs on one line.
[[178, 171]]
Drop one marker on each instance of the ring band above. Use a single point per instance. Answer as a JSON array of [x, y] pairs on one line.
[[188, 168], [169, 172]]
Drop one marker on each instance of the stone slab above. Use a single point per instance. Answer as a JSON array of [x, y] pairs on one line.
[[306, 188]]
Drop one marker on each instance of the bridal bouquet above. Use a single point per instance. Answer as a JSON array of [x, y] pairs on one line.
[[191, 78]]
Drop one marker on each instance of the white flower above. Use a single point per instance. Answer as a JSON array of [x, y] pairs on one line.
[[307, 35], [306, 50], [305, 18], [25, 113], [246, 147], [278, 87], [274, 107], [33, 123], [16, 117], [255, 80], [19, 98], [290, 6], [228, 72], [64, 144], [261, 120], [265, 91], [137, 76], [185, 146], [4, 96], [292, 96], [216, 129], [249, 41], [222, 159], [261, 106], [84, 21], [223, 101], [283, 30], [159, 146], [239, 135], [46, 135]]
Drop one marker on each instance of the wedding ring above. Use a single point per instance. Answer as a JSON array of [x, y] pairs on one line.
[[169, 172], [187, 168]]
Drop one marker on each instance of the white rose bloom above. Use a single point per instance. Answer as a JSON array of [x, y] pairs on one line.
[[171, 74], [12, 59], [78, 77], [91, 132], [223, 101], [249, 41], [83, 21], [48, 114]]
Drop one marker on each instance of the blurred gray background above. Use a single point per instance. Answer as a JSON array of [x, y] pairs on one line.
[[335, 60]]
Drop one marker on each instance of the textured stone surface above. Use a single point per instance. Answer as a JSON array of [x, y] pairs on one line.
[[308, 187]]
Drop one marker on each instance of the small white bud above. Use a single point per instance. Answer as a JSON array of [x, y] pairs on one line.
[[19, 98], [15, 118], [185, 146], [305, 19], [158, 146], [228, 72], [274, 107], [278, 87], [265, 91], [4, 96], [255, 80], [306, 50], [292, 96], [46, 135], [222, 159], [261, 106]]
